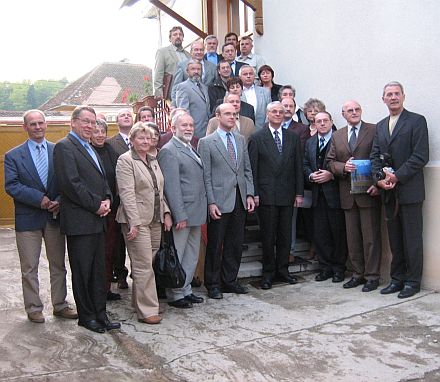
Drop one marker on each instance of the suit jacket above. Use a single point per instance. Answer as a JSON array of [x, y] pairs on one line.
[[330, 188], [82, 186], [220, 174], [301, 130], [219, 57], [166, 62], [136, 190], [196, 100], [210, 74], [339, 153], [118, 144], [24, 185], [277, 178], [184, 186], [238, 65], [247, 127], [409, 150], [263, 99]]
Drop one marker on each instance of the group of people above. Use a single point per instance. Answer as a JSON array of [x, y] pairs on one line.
[[112, 195]]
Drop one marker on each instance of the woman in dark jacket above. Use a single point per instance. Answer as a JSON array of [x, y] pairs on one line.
[[266, 75]]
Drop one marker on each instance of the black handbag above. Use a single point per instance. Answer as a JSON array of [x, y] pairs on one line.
[[168, 271]]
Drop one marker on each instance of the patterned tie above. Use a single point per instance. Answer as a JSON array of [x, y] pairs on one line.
[[93, 155], [231, 149], [321, 143], [41, 164], [352, 141], [278, 141]]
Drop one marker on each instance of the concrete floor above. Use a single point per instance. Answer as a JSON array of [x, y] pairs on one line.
[[305, 332]]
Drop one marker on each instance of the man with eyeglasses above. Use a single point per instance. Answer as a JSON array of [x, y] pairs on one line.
[[362, 211], [85, 202], [328, 218], [275, 155]]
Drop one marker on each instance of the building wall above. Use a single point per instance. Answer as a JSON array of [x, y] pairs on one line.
[[337, 50]]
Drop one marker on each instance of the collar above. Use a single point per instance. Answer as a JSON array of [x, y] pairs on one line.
[[82, 141], [272, 129], [33, 145], [326, 137]]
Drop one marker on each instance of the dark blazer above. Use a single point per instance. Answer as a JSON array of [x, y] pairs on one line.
[[82, 186], [277, 178], [238, 65], [118, 144], [409, 150], [330, 189], [301, 130], [24, 185], [339, 153], [216, 91]]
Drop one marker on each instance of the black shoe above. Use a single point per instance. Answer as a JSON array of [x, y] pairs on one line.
[[181, 304], [354, 282], [235, 288], [322, 276], [244, 247], [108, 325], [122, 284], [338, 278], [194, 299], [393, 287], [408, 291], [93, 325], [113, 296], [266, 284], [370, 285], [287, 279], [215, 293]]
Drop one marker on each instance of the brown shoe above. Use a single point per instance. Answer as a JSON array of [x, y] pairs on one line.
[[36, 317], [152, 320], [66, 312], [122, 284]]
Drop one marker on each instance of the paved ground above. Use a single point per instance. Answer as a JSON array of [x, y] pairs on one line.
[[305, 332]]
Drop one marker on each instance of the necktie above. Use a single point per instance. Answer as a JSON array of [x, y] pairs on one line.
[[352, 141], [93, 155], [278, 141], [321, 143], [127, 141], [194, 153], [41, 164], [231, 149]]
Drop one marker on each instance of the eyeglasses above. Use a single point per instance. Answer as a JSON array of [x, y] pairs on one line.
[[87, 122], [352, 111], [319, 121]]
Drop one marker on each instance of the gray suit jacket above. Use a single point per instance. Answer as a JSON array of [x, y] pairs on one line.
[[184, 187], [118, 144], [247, 127], [196, 100], [166, 62], [209, 70], [263, 99], [221, 175]]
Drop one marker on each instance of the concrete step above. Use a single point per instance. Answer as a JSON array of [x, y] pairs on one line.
[[254, 268]]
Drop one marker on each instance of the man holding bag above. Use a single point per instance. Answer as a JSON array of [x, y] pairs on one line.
[[185, 192]]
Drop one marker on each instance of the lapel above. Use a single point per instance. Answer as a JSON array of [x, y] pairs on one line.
[[218, 143], [344, 137], [121, 142], [313, 148], [271, 146], [287, 143], [198, 90], [84, 152], [400, 123], [142, 166], [173, 53], [51, 171], [29, 165], [185, 150], [361, 136]]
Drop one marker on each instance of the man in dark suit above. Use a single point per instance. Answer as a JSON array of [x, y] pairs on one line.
[[211, 45], [328, 217], [30, 181], [229, 53], [298, 128], [402, 135], [85, 201], [275, 156], [217, 89], [362, 211], [186, 196], [229, 190], [119, 143]]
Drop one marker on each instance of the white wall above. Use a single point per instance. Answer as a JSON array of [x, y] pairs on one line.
[[336, 50]]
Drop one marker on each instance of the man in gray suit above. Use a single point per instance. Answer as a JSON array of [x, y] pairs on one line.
[[193, 96], [209, 70], [257, 96], [167, 59], [229, 189], [185, 192]]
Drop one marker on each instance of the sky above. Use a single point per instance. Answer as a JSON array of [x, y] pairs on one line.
[[53, 39]]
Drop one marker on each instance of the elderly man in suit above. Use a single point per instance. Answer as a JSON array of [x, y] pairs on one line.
[[275, 156], [30, 181], [258, 96], [243, 125], [193, 96], [362, 211], [85, 201], [186, 196], [229, 189], [167, 59], [402, 140], [246, 55], [120, 143], [209, 70], [328, 218]]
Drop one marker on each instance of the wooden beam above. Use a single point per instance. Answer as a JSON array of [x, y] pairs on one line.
[[179, 18], [258, 17], [209, 17]]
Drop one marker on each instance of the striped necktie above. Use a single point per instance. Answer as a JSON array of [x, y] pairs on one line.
[[321, 143], [231, 149], [41, 164], [278, 141]]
